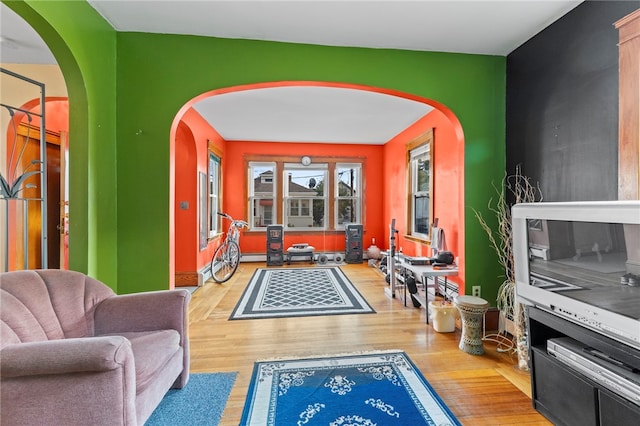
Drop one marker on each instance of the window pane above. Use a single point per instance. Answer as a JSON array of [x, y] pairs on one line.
[[262, 180], [318, 213], [305, 183], [304, 208], [347, 211], [420, 172], [262, 212], [421, 214], [348, 178], [214, 190], [305, 201], [422, 183], [262, 186], [348, 194], [294, 208]]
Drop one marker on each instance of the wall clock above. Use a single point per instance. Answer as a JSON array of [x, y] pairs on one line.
[[306, 160]]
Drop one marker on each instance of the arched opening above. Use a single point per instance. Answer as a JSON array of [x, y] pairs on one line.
[[384, 163], [91, 206]]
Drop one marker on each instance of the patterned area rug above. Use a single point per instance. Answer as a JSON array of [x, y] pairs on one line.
[[289, 292], [355, 390]]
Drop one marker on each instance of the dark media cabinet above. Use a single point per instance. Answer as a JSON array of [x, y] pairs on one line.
[[566, 396]]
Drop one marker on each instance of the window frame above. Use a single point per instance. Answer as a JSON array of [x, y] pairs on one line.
[[337, 197], [214, 186], [252, 197], [330, 198], [415, 150], [287, 197]]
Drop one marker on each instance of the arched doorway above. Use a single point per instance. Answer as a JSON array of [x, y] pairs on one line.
[[450, 145]]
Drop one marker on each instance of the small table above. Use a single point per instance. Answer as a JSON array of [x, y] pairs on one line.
[[472, 310], [425, 272], [302, 252]]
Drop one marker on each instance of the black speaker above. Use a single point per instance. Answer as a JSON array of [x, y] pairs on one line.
[[275, 249], [353, 243]]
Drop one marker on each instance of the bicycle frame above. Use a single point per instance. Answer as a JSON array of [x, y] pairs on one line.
[[226, 258]]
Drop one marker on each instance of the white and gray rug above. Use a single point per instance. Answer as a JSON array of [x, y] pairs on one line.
[[296, 292]]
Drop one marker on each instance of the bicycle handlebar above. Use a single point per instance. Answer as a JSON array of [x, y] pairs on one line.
[[234, 222]]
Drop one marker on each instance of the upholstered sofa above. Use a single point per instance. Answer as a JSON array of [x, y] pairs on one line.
[[72, 352]]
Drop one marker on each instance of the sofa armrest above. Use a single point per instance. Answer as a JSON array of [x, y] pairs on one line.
[[91, 354], [73, 382], [148, 311]]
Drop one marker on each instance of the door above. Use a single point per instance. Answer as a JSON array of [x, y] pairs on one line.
[[25, 216]]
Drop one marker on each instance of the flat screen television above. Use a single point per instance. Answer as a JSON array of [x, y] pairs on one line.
[[581, 261]]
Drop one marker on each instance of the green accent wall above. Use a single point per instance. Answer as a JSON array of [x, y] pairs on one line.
[[136, 83], [84, 45]]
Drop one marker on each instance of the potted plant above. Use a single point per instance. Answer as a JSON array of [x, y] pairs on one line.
[[515, 188]]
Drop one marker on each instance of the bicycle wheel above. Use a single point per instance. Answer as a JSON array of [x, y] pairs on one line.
[[225, 261]]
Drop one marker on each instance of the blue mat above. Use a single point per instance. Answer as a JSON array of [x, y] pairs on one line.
[[201, 402], [383, 388]]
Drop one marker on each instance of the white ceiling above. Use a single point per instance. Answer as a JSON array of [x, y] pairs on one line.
[[305, 113], [310, 114]]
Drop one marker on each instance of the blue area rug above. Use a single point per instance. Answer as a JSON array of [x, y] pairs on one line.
[[201, 402], [295, 292], [383, 388]]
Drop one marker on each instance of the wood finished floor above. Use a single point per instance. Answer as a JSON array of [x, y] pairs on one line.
[[479, 390]]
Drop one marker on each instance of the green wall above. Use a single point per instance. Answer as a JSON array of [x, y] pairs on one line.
[[156, 74], [84, 45]]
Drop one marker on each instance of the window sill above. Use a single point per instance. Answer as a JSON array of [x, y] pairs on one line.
[[416, 239]]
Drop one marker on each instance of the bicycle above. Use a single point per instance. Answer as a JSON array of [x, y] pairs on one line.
[[226, 258]]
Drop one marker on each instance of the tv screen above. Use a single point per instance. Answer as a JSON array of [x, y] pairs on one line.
[[581, 261]]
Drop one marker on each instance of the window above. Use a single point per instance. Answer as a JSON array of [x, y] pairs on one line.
[[420, 157], [262, 194], [323, 195], [347, 194], [305, 196], [214, 194]]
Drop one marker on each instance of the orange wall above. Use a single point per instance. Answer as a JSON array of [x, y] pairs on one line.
[[186, 220], [191, 157], [236, 201], [448, 199]]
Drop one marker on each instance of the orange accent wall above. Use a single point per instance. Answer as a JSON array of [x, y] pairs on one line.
[[191, 157], [448, 197], [236, 201], [186, 220]]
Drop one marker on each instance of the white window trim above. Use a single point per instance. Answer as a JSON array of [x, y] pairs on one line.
[[213, 193], [414, 155], [337, 197], [323, 167], [252, 196]]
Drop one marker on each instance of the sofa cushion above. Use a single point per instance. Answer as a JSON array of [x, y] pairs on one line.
[[152, 350]]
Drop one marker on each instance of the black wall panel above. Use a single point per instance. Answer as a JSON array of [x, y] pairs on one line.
[[562, 104]]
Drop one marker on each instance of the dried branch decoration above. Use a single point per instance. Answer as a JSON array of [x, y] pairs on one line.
[[501, 240]]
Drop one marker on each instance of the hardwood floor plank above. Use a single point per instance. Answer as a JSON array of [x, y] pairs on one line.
[[479, 390]]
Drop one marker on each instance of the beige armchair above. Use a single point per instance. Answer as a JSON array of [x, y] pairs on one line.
[[72, 352]]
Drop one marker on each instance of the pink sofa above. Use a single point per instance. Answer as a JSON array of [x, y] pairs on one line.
[[72, 352]]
